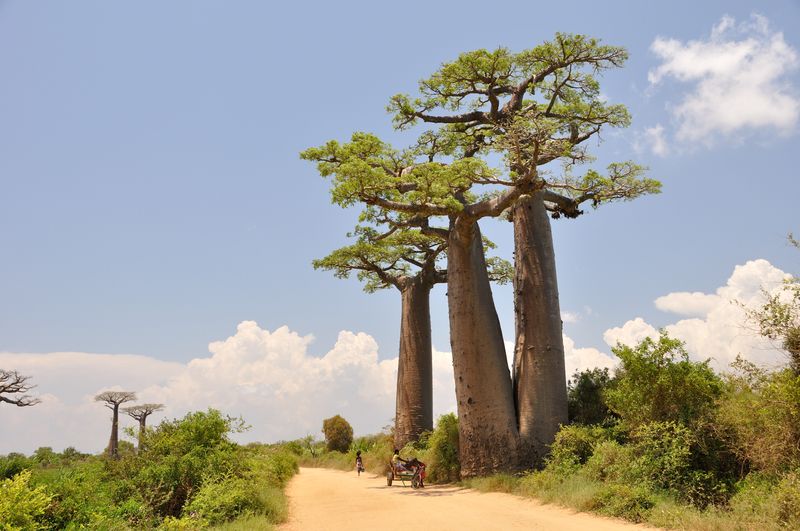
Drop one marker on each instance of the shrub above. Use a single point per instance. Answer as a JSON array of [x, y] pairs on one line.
[[177, 458], [442, 455], [21, 505], [45, 456], [631, 503], [14, 463], [222, 500], [575, 444], [610, 461], [759, 418], [656, 382], [338, 433], [79, 493], [585, 401], [787, 498]]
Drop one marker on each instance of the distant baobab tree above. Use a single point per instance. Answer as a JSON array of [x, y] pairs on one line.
[[113, 399], [141, 412], [13, 387]]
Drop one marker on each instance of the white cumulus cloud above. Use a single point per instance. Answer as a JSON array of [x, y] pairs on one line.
[[717, 327], [738, 78]]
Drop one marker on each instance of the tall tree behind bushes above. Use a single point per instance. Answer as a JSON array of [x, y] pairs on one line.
[[113, 400], [338, 433], [585, 399], [140, 412]]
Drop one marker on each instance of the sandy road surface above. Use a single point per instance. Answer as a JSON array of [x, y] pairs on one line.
[[322, 500]]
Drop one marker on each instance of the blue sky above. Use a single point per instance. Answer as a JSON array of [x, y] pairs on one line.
[[152, 197]]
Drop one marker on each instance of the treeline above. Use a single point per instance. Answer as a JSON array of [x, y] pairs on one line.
[[186, 474]]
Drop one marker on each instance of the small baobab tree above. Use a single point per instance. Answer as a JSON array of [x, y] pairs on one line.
[[140, 413], [113, 399], [13, 389]]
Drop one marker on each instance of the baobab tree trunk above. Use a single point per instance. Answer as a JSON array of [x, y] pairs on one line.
[[414, 413], [488, 436], [113, 441], [142, 423], [540, 389]]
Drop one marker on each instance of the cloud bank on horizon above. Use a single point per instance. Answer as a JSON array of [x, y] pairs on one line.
[[271, 380], [737, 83]]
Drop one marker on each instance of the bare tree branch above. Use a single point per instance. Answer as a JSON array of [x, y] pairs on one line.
[[13, 383]]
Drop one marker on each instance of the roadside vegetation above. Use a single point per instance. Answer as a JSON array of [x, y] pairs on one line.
[[188, 474], [662, 440], [669, 442]]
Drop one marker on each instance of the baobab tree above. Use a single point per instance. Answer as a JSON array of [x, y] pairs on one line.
[[113, 399], [13, 389], [140, 413], [406, 259], [536, 107], [446, 182]]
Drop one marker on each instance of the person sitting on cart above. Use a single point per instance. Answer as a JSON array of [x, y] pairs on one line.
[[398, 463]]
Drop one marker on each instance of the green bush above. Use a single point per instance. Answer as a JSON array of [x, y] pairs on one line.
[[80, 493], [656, 382], [45, 456], [14, 463], [22, 506], [338, 433], [441, 457], [575, 444], [222, 500], [610, 461], [759, 418], [624, 501], [177, 458], [585, 401], [787, 498]]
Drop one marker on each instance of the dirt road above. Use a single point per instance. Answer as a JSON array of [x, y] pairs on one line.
[[322, 500]]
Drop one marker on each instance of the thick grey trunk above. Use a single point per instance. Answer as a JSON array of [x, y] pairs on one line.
[[113, 440], [540, 388], [488, 436], [414, 412]]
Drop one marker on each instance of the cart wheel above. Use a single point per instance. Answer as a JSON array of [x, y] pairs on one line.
[[389, 479], [415, 482]]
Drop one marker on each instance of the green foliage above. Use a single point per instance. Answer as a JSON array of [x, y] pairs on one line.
[[178, 456], [223, 499], [624, 501], [441, 456], [83, 494], [759, 417], [787, 497], [22, 506], [45, 455], [585, 401], [575, 444], [338, 433], [14, 463], [656, 382]]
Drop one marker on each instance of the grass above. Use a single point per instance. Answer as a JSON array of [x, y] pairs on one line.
[[749, 509], [247, 523]]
